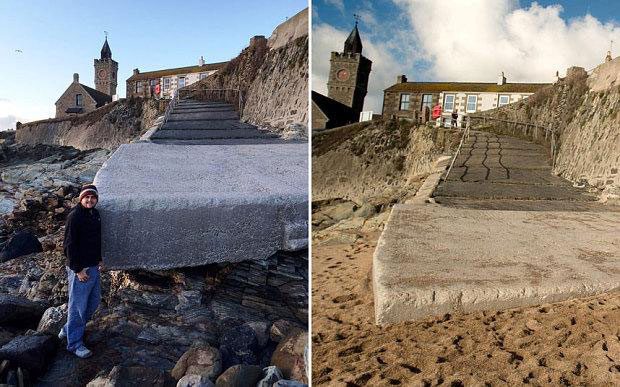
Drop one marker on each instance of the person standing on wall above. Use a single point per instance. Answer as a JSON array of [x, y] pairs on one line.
[[82, 248], [455, 117]]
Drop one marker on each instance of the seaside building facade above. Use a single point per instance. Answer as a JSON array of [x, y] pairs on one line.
[[145, 85]]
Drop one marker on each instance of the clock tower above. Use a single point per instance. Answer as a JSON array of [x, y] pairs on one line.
[[348, 74], [106, 70]]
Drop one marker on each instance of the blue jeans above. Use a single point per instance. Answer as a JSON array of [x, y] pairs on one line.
[[84, 298]]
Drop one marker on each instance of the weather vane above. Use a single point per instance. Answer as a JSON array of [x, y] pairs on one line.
[[356, 17], [106, 34], [611, 45]]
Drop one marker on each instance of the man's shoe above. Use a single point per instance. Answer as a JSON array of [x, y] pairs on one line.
[[62, 335], [82, 352]]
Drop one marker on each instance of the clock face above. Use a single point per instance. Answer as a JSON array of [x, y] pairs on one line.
[[342, 74], [102, 73]]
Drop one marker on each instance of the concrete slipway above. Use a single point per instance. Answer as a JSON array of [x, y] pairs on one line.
[[506, 234], [187, 202]]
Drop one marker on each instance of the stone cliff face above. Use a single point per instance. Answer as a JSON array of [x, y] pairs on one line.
[[583, 109], [107, 127], [273, 74], [377, 161]]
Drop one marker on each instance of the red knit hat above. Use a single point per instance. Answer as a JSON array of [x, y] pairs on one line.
[[89, 189]]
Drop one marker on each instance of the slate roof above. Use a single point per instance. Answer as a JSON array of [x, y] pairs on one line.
[[175, 71], [353, 44], [106, 53], [436, 87], [99, 97], [330, 107]]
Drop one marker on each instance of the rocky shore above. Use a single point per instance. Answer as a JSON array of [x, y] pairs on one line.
[[239, 324]]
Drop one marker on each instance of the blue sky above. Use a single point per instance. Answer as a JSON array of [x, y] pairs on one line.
[[63, 37], [465, 40]]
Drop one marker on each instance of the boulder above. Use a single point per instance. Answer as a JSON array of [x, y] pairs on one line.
[[282, 328], [261, 329], [133, 376], [289, 383], [53, 319], [22, 243], [33, 353], [195, 381], [15, 309], [289, 356], [271, 375], [238, 345], [240, 375], [204, 361]]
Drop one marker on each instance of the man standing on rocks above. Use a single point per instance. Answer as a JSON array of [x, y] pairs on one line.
[[82, 247]]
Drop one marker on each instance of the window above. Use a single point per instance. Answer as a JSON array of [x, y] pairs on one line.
[[404, 102], [472, 101], [503, 100], [448, 102], [181, 82], [139, 87], [427, 101], [203, 75], [166, 84], [78, 100]]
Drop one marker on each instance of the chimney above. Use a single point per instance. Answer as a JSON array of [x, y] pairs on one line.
[[76, 77], [136, 71], [401, 78], [557, 75], [201, 61], [502, 79]]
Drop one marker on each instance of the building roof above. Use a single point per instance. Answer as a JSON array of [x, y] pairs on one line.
[[99, 97], [330, 107], [353, 44], [176, 71], [106, 53], [437, 87]]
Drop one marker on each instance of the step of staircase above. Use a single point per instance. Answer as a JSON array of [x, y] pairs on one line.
[[210, 134]]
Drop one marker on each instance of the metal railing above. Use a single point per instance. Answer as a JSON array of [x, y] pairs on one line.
[[170, 107], [458, 149]]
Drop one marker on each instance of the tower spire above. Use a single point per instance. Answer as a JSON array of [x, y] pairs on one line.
[[106, 53], [353, 44]]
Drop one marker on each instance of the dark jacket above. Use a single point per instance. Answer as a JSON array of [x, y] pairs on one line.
[[82, 245]]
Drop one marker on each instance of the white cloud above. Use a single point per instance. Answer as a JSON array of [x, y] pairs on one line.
[[10, 113], [475, 40], [385, 66], [339, 4]]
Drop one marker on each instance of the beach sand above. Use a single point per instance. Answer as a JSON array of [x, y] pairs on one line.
[[574, 342]]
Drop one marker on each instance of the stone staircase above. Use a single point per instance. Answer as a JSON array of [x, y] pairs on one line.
[[195, 122], [501, 232], [203, 188]]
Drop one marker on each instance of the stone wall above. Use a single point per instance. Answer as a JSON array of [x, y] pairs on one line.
[[273, 76], [583, 110], [106, 127], [379, 161]]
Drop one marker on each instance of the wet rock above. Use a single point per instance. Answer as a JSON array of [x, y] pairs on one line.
[[195, 381], [271, 375], [133, 376], [289, 356], [15, 309], [205, 361], [240, 376], [289, 383], [33, 353], [238, 346], [261, 329], [53, 320], [282, 328], [22, 243]]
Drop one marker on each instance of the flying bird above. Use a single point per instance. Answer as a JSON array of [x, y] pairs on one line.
[[20, 51]]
